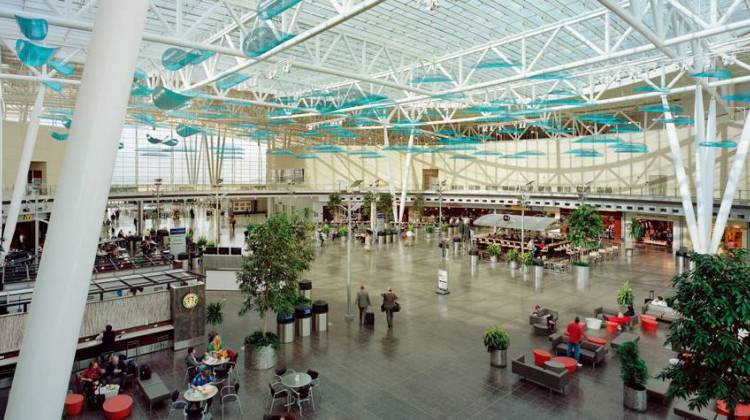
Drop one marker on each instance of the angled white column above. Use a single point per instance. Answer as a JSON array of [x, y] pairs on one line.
[[682, 179], [54, 320], [391, 187], [732, 182], [707, 162], [405, 179], [19, 187], [2, 155], [699, 152]]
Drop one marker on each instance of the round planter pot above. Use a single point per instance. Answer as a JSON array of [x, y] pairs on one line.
[[260, 358], [629, 252], [499, 358], [538, 272], [634, 399], [493, 259], [525, 268], [513, 265], [582, 274]]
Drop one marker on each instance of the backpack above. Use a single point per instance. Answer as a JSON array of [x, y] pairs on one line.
[[145, 373]]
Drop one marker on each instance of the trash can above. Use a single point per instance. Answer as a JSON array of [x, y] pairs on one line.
[[302, 320], [285, 327], [538, 270], [320, 315], [474, 258], [381, 237], [183, 260], [681, 258], [305, 288]]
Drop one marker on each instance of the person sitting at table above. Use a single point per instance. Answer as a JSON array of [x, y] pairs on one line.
[[215, 345], [91, 374], [191, 360], [116, 370], [630, 312], [537, 310], [203, 377]]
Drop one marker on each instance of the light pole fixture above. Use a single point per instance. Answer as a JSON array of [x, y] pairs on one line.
[[524, 200], [440, 189], [353, 187], [157, 187], [217, 185]]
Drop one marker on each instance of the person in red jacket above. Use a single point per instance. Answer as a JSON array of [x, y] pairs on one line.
[[575, 335]]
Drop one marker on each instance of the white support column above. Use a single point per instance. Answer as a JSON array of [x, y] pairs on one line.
[[391, 187], [19, 187], [734, 176], [54, 320], [698, 138], [405, 179], [682, 179], [707, 161], [2, 155]]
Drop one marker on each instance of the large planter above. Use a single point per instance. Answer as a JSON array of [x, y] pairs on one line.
[[260, 358], [634, 399], [628, 252], [499, 358], [582, 273], [493, 259], [513, 265], [538, 272]]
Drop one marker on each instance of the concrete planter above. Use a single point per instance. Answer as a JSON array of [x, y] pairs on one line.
[[538, 272], [493, 259], [499, 358], [582, 274], [513, 265], [634, 399], [260, 358]]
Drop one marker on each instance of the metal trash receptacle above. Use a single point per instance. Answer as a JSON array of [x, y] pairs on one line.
[[302, 320], [305, 288], [320, 316], [456, 244], [285, 327]]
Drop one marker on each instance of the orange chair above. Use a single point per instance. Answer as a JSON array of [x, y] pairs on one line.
[[118, 408], [541, 356], [612, 327], [651, 317], [73, 404], [596, 340], [649, 325]]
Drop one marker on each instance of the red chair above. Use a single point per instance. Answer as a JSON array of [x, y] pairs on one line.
[[73, 404], [649, 325], [612, 327], [118, 408], [596, 340], [651, 317], [541, 356]]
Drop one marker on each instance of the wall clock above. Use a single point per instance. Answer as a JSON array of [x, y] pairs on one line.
[[190, 300]]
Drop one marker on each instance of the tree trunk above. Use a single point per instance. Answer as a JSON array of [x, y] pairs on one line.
[[265, 324]]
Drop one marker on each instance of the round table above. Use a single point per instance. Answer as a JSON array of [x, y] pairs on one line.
[[118, 408], [554, 366], [73, 404], [204, 393], [569, 363], [741, 412], [213, 361], [296, 380], [109, 391]]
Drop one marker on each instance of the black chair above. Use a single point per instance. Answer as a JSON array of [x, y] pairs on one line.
[[177, 404], [303, 395], [315, 383]]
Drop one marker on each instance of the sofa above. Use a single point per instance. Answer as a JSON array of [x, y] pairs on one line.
[[661, 313], [590, 352], [542, 318], [554, 381], [602, 313]]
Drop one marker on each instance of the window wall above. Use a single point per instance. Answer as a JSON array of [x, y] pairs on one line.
[[139, 161]]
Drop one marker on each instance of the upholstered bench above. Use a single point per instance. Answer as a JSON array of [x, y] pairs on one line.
[[118, 408]]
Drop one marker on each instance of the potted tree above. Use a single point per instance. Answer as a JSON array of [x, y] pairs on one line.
[[280, 250], [584, 228], [493, 250], [635, 233], [634, 376], [526, 259], [417, 205], [343, 234], [334, 203], [625, 296], [326, 230], [712, 299], [214, 314], [428, 230], [512, 257], [496, 341], [202, 241]]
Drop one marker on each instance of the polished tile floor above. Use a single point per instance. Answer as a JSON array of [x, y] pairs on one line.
[[432, 363]]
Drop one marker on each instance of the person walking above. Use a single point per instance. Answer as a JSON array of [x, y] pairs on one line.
[[363, 301], [389, 302], [575, 335]]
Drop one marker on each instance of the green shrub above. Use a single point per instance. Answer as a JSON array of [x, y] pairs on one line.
[[429, 229], [343, 232], [526, 258], [493, 250], [214, 313], [259, 339], [625, 296], [495, 338], [512, 255], [633, 370]]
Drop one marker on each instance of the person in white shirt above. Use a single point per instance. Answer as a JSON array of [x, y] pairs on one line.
[[659, 301]]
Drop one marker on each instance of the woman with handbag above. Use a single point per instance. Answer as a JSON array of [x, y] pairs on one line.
[[390, 306]]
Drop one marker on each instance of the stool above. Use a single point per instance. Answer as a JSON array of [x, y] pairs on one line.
[[118, 408], [651, 317], [554, 366], [649, 325], [73, 404], [569, 363], [596, 340], [541, 356], [612, 327]]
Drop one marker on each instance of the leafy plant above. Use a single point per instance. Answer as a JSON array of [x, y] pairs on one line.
[[625, 296], [493, 250], [512, 255], [326, 229], [584, 227], [636, 230], [210, 244], [410, 227], [633, 370], [189, 235], [429, 229], [259, 339], [384, 203], [445, 227], [581, 263], [367, 201], [214, 313], [343, 232], [526, 258], [714, 300], [495, 338], [280, 250], [202, 241], [417, 204]]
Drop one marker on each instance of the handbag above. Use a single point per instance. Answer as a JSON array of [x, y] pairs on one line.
[[396, 307], [382, 308]]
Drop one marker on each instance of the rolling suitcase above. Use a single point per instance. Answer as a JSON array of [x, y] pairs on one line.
[[370, 320]]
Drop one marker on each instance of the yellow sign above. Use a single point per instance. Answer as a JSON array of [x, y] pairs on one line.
[[27, 217]]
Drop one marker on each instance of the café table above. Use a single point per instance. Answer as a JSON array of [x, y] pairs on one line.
[[214, 361], [108, 391], [296, 380], [201, 393]]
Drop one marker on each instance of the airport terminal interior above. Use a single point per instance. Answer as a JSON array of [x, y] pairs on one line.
[[374, 209]]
